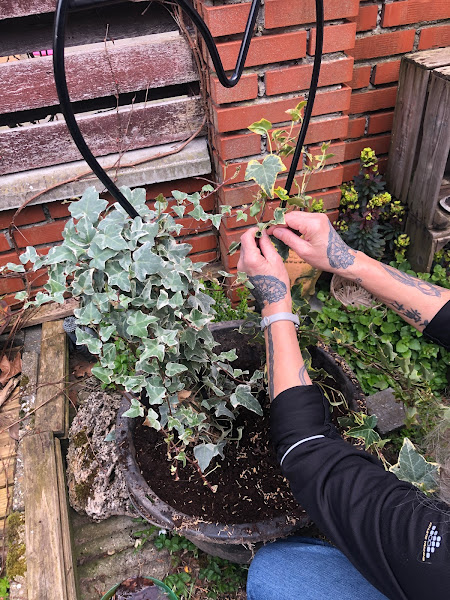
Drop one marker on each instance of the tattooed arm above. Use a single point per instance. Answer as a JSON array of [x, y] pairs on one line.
[[269, 277], [417, 301]]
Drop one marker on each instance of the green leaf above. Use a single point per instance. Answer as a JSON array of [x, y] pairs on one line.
[[366, 431], [260, 127], [138, 322], [243, 396], [265, 174], [281, 193], [199, 214], [82, 284], [145, 262], [204, 453], [152, 348], [281, 247], [90, 206], [94, 345], [414, 468], [234, 247], [173, 369], [88, 315], [102, 374], [152, 419]]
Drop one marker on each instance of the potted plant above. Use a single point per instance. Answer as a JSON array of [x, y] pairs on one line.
[[142, 296]]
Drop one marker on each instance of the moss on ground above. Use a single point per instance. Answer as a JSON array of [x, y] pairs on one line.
[[16, 564]]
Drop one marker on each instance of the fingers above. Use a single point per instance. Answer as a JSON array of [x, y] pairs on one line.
[[291, 239], [267, 248]]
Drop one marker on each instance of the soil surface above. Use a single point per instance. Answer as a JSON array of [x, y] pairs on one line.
[[250, 484]]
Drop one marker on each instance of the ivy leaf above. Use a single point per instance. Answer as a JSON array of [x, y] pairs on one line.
[[92, 342], [265, 174], [243, 396], [281, 193], [136, 409], [152, 349], [234, 247], [413, 467], [260, 127], [199, 214], [88, 315], [138, 322], [204, 453], [152, 419], [173, 369], [102, 374], [111, 238], [281, 247], [366, 431], [99, 256], [82, 284], [145, 262], [59, 254], [90, 206]]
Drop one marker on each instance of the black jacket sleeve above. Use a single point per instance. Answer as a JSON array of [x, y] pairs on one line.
[[397, 537]]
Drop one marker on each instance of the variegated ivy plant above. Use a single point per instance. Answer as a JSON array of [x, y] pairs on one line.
[[140, 292]]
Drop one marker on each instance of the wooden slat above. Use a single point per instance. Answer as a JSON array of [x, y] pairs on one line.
[[43, 533], [45, 313], [69, 563], [22, 8], [98, 70], [431, 59], [434, 149], [53, 415], [8, 446], [5, 501], [85, 27], [130, 128], [413, 82], [7, 469]]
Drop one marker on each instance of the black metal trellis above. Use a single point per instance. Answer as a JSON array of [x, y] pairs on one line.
[[61, 17]]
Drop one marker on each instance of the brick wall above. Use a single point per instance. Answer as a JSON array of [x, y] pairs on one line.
[[363, 45]]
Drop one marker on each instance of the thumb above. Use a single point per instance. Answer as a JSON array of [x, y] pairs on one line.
[[267, 248], [298, 244]]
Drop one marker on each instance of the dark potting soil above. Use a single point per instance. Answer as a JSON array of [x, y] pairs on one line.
[[250, 484]]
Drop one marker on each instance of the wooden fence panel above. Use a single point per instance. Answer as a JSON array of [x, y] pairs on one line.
[[99, 70], [129, 128]]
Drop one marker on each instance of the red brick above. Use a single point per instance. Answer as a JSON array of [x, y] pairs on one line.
[[331, 198], [237, 195], [38, 278], [226, 20], [43, 234], [246, 89], [335, 38], [323, 130], [372, 100], [434, 37], [386, 72], [4, 244], [356, 127], [229, 262], [367, 17], [27, 216], [380, 144], [414, 11], [206, 257], [202, 243], [188, 186], [338, 151], [361, 77], [383, 44], [283, 13], [11, 301], [238, 145], [293, 79], [10, 285], [265, 49], [240, 117], [58, 210], [380, 122], [9, 257], [191, 226]]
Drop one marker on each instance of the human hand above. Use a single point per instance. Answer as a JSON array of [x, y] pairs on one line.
[[266, 272], [320, 245]]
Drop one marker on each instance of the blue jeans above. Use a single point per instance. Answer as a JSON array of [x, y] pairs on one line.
[[306, 569]]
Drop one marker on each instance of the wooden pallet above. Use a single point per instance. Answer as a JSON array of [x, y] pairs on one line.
[[9, 413]]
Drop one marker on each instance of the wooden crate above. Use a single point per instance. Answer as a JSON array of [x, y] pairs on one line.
[[419, 152]]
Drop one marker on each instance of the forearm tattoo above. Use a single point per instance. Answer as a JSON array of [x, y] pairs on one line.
[[270, 363], [301, 375], [339, 254], [267, 289], [409, 313], [423, 286]]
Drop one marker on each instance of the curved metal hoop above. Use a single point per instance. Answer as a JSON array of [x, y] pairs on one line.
[[61, 16]]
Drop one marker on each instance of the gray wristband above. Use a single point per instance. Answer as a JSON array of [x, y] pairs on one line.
[[282, 316]]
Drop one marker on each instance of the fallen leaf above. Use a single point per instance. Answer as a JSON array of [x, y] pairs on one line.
[[5, 315], [14, 431], [6, 392], [183, 395], [83, 368], [9, 368]]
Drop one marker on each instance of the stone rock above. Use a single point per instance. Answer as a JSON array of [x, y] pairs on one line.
[[96, 484], [390, 413]]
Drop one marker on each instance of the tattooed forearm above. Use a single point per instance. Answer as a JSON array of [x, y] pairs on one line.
[[409, 313], [301, 375], [267, 289], [423, 286], [270, 362], [339, 254]]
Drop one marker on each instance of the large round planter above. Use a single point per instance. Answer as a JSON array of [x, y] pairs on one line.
[[233, 542]]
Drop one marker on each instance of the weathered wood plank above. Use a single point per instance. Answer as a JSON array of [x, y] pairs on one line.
[[130, 128], [43, 533], [408, 116], [69, 562], [98, 70], [22, 8], [53, 415], [85, 27], [47, 312], [433, 150], [431, 59], [7, 469], [5, 501]]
